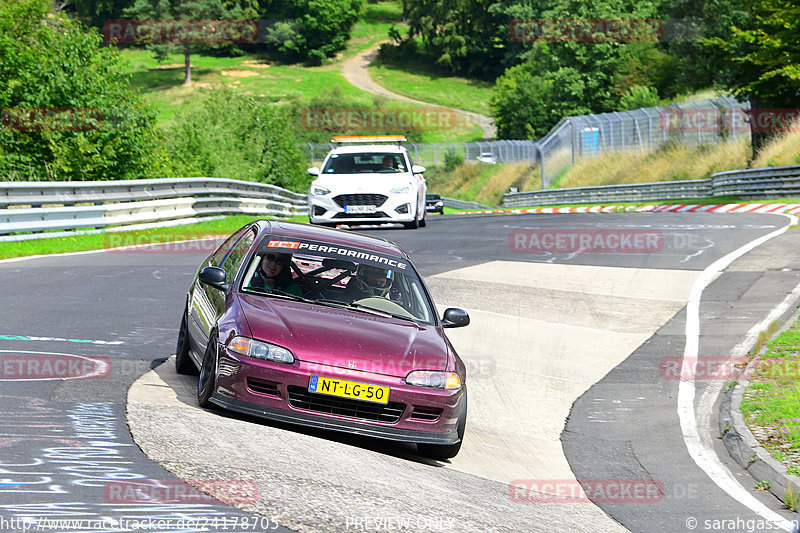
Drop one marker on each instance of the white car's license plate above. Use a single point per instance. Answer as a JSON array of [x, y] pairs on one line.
[[360, 209]]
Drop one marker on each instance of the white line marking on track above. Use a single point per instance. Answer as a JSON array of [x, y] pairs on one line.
[[699, 449]]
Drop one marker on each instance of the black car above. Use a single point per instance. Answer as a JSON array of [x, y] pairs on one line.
[[434, 204]]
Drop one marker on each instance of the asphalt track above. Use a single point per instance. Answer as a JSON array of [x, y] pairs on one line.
[[549, 331]]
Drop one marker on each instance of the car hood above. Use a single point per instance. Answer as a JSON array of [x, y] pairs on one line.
[[343, 338], [364, 183]]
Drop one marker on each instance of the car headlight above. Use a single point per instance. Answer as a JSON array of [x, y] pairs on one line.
[[319, 191], [401, 190], [435, 379], [439, 204], [260, 350]]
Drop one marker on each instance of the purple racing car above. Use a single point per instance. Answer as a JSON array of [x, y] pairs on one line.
[[324, 328]]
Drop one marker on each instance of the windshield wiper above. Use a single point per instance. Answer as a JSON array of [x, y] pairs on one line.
[[364, 308], [350, 305], [277, 292]]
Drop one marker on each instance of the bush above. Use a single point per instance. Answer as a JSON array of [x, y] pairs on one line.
[[87, 124], [238, 137], [639, 96], [452, 159]]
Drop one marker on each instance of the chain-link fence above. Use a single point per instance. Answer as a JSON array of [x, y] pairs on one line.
[[434, 154], [699, 122]]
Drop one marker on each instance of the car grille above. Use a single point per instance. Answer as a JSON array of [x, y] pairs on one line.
[[360, 199], [259, 386], [379, 214], [300, 398]]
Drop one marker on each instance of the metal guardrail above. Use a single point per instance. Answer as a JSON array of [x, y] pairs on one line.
[[45, 206], [770, 182], [461, 204]]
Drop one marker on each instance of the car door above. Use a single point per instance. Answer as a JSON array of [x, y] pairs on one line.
[[207, 303]]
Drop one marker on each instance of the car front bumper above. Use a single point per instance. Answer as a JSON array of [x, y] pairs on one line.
[[395, 209], [271, 391]]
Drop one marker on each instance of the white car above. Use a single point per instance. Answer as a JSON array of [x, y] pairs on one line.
[[368, 180], [487, 157]]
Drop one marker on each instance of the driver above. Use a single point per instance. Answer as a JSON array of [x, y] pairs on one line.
[[369, 281]]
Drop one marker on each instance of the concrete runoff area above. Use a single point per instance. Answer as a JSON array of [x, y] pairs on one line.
[[540, 336]]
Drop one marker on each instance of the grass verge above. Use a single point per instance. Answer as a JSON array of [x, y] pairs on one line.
[[421, 83], [81, 243], [771, 404]]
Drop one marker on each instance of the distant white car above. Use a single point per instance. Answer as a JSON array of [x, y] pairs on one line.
[[368, 180], [487, 157]]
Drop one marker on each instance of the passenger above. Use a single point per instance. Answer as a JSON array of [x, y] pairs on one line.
[[274, 272]]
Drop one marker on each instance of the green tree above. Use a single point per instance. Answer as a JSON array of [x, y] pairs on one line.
[[311, 30], [183, 24], [68, 110], [763, 60], [238, 137], [527, 103]]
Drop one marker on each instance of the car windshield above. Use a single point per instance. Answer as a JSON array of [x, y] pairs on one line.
[[432, 197], [338, 275], [365, 163]]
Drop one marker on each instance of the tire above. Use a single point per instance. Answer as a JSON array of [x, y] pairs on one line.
[[413, 224], [183, 361], [424, 221], [208, 375], [441, 452]]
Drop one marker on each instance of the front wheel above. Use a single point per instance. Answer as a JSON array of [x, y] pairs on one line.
[[414, 224], [208, 375], [441, 452]]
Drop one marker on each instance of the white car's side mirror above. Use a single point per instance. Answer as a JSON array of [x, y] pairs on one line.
[[417, 169], [313, 171]]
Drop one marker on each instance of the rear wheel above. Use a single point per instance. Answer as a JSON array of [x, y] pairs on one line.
[[208, 375], [183, 361], [424, 221], [446, 451]]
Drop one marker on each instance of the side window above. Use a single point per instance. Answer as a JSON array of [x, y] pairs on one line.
[[219, 255], [235, 258]]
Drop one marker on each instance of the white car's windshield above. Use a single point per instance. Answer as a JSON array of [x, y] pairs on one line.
[[337, 274], [365, 163]]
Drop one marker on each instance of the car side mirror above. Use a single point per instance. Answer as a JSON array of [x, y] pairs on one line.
[[214, 277], [313, 171], [455, 318], [418, 169]]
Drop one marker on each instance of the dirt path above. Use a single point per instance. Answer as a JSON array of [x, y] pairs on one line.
[[355, 71]]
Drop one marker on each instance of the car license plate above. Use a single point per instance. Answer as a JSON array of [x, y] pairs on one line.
[[360, 209], [348, 389]]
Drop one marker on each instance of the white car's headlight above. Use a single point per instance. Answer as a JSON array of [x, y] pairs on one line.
[[435, 379], [319, 191], [401, 190], [260, 350]]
